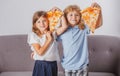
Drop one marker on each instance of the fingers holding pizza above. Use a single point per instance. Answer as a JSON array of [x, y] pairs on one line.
[[95, 5]]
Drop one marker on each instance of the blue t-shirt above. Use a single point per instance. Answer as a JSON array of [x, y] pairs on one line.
[[75, 48]]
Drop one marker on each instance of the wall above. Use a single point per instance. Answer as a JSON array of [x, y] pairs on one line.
[[16, 15]]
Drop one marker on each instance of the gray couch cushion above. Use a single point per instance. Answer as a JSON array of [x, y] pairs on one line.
[[25, 73], [103, 53], [15, 54], [29, 73], [100, 74]]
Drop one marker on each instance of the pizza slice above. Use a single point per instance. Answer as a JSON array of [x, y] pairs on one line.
[[90, 16], [53, 18]]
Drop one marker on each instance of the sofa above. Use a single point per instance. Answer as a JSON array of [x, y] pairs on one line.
[[104, 56]]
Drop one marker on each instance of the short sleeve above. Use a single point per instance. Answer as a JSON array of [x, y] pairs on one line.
[[32, 38], [87, 29], [59, 38]]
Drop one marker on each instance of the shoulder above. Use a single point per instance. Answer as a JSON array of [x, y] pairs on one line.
[[86, 26], [67, 33], [87, 29], [32, 37]]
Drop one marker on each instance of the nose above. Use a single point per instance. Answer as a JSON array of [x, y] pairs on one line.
[[73, 16], [42, 23]]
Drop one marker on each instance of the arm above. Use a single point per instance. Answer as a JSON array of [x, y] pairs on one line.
[[100, 21], [32, 54], [63, 23], [63, 26], [42, 49], [100, 18]]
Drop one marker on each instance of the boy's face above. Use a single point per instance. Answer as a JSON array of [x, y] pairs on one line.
[[42, 24], [73, 18]]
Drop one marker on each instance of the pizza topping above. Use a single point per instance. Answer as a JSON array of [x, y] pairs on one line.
[[90, 16], [53, 18]]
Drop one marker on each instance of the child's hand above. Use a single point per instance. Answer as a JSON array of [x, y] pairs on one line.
[[49, 36], [56, 9], [95, 5], [32, 54], [100, 19]]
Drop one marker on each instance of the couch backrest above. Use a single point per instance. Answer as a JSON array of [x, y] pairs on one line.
[[104, 53], [15, 53]]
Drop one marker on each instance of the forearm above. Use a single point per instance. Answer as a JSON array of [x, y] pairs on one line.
[[44, 48], [100, 20], [63, 26]]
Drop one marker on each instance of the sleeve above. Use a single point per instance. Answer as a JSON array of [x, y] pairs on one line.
[[32, 39], [87, 29], [57, 38]]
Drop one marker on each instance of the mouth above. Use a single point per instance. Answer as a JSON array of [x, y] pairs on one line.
[[73, 21]]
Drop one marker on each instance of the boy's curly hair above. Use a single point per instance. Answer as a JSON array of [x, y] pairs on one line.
[[76, 8]]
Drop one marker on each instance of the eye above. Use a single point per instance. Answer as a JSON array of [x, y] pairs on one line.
[[71, 15], [38, 22], [76, 14], [44, 20]]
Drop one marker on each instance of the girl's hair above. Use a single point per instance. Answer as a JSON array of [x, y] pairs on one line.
[[76, 8], [36, 16]]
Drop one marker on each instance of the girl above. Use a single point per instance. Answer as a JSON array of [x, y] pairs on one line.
[[74, 41], [43, 43]]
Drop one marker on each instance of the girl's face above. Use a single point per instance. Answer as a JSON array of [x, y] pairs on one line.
[[42, 24], [73, 18]]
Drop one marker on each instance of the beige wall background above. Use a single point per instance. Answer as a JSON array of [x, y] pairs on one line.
[[16, 15]]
